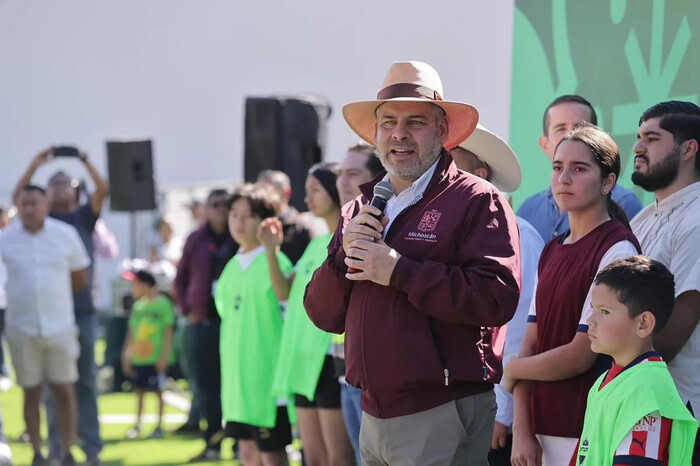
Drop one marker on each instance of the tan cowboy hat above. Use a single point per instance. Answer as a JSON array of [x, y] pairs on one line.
[[412, 81], [494, 151]]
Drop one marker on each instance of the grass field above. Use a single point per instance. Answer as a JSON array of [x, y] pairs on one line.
[[171, 450]]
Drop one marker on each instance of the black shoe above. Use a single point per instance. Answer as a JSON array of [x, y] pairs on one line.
[[187, 429]]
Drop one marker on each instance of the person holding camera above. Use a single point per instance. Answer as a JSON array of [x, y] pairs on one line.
[[63, 198]]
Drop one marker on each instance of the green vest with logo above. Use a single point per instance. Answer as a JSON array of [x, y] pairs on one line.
[[612, 412], [304, 346], [251, 331]]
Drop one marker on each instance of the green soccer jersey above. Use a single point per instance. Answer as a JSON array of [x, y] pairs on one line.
[[148, 321], [251, 329], [612, 412], [304, 346]]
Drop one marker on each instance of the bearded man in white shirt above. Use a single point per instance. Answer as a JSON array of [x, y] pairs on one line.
[[46, 263], [667, 163]]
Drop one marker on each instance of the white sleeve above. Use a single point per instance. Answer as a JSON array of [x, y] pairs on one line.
[[617, 251], [532, 313], [504, 402], [78, 258], [692, 281], [685, 259]]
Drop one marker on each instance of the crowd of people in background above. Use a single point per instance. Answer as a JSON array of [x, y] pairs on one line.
[[441, 329]]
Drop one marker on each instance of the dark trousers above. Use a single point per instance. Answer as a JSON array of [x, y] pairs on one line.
[[501, 457], [207, 371]]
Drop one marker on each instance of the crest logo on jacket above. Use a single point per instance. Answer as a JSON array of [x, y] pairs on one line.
[[429, 221]]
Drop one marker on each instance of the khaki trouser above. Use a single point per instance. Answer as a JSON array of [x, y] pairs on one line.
[[455, 433]]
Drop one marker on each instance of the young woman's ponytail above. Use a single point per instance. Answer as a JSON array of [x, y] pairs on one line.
[[616, 212]]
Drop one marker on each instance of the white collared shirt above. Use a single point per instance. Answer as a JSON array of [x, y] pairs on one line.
[[669, 232], [407, 197], [39, 266]]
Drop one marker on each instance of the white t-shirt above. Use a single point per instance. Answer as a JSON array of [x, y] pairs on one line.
[[39, 266], [669, 232]]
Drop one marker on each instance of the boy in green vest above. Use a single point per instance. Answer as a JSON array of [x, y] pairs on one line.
[[148, 341], [251, 331], [634, 414]]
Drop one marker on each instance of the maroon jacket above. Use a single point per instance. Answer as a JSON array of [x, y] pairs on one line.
[[426, 339]]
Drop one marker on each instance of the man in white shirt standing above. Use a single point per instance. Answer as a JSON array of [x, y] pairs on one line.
[[667, 163], [46, 262]]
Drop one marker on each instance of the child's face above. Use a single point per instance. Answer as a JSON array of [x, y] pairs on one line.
[[243, 225], [139, 289], [610, 328]]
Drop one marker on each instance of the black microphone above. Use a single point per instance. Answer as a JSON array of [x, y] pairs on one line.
[[382, 193]]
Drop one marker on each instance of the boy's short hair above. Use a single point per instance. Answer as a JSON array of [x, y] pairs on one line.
[[140, 275], [260, 199], [641, 284]]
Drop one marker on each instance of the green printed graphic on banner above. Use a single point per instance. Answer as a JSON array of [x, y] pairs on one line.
[[621, 55]]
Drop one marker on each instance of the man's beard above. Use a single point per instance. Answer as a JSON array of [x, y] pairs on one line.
[[661, 174], [419, 168]]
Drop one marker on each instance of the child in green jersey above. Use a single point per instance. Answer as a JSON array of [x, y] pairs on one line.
[[304, 366], [634, 414], [148, 342], [251, 329]]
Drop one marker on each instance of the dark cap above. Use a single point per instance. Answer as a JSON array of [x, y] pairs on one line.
[[142, 276]]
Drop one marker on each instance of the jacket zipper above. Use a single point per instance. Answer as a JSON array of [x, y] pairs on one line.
[[445, 371]]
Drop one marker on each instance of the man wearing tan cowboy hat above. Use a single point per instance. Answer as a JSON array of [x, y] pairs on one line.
[[487, 156], [428, 281]]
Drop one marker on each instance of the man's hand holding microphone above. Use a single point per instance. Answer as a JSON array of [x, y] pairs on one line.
[[368, 256]]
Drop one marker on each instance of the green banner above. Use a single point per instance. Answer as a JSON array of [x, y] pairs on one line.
[[623, 56]]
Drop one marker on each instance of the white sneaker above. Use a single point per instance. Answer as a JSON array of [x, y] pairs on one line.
[[5, 454], [5, 383]]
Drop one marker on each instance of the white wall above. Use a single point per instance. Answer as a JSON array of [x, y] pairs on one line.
[[178, 71]]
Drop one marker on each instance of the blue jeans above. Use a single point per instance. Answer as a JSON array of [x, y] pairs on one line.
[[85, 394], [188, 364], [350, 402]]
